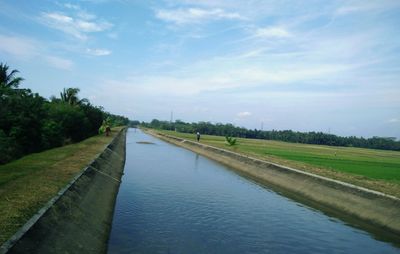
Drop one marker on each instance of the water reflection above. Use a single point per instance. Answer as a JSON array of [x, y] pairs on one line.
[[196, 161]]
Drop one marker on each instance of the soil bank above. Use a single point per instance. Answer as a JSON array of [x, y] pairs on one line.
[[371, 209], [78, 219]]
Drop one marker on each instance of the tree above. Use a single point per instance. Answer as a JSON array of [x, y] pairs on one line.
[[319, 138], [70, 96], [72, 120], [95, 115], [8, 80], [30, 123]]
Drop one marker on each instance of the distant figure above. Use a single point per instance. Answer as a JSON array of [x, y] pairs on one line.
[[108, 130], [198, 136]]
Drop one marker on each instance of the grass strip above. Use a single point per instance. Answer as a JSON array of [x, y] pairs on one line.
[[28, 183]]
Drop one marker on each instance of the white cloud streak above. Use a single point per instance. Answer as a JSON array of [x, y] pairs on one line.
[[72, 6], [207, 78], [98, 52], [243, 114], [195, 15], [19, 47], [367, 6], [59, 63], [272, 32], [394, 120], [77, 27]]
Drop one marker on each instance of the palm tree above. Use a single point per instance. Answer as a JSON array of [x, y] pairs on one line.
[[8, 80], [70, 96]]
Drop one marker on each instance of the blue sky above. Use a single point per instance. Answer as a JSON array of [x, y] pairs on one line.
[[301, 65]]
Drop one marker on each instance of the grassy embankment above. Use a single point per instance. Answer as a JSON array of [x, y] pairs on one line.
[[374, 169], [28, 183]]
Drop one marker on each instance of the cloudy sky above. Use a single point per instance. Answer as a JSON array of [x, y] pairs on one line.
[[331, 66]]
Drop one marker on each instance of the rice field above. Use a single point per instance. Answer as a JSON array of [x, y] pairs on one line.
[[374, 169]]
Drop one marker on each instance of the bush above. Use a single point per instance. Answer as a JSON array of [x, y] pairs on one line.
[[7, 148], [52, 135], [230, 140]]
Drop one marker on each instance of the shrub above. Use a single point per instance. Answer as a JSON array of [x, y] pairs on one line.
[[230, 140]]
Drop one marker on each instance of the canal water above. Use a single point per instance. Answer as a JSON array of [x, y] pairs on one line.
[[172, 200]]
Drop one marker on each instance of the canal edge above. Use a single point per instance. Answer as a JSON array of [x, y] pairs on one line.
[[24, 240]]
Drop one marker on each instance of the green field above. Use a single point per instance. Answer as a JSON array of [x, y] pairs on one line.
[[30, 182], [375, 169]]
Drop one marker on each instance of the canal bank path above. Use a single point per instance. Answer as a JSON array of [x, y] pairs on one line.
[[172, 200]]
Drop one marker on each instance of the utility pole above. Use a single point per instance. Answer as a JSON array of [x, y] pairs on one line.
[[262, 125], [172, 116]]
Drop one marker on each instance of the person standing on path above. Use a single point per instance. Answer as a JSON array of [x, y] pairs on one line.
[[198, 136]]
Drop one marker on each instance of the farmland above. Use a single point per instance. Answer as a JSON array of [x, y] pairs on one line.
[[375, 169]]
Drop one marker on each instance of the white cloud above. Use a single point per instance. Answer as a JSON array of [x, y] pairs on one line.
[[78, 26], [243, 114], [217, 75], [24, 48], [367, 6], [195, 15], [19, 47], [252, 53], [272, 32], [72, 6], [113, 35], [98, 52], [80, 12], [277, 54], [90, 27], [394, 120], [59, 63]]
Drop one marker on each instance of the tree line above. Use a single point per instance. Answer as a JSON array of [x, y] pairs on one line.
[[318, 138], [31, 123]]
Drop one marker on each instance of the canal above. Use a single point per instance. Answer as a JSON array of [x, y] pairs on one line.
[[172, 200]]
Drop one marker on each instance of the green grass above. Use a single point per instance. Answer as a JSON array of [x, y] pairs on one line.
[[365, 162], [376, 169], [28, 183], [35, 162]]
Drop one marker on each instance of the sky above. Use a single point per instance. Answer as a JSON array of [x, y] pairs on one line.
[[328, 65]]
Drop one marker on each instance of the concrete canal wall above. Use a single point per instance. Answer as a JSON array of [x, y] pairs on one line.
[[370, 208], [78, 219]]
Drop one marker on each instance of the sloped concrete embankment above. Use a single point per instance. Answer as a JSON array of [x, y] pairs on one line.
[[369, 208], [78, 219]]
